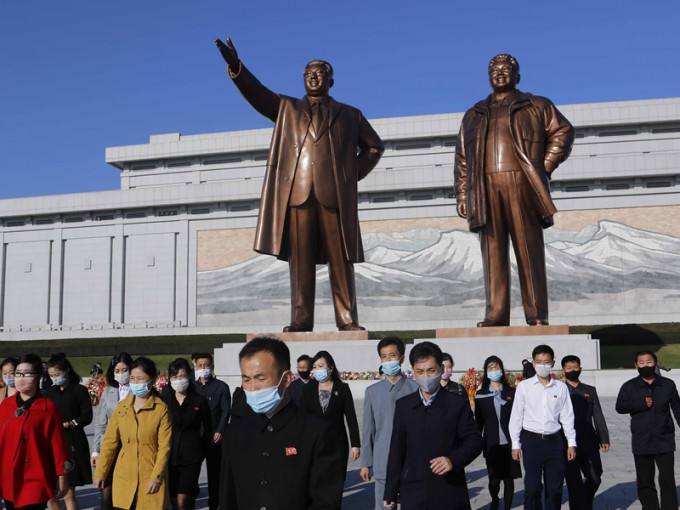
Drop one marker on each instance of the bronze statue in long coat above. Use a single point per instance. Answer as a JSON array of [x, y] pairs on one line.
[[320, 149]]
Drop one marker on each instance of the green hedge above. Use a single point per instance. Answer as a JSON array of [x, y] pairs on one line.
[[105, 347]]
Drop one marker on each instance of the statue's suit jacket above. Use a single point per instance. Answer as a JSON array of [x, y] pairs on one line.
[[347, 129], [539, 133]]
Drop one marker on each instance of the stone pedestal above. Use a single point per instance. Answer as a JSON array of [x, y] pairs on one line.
[[353, 352], [349, 355], [471, 352], [313, 336], [561, 329]]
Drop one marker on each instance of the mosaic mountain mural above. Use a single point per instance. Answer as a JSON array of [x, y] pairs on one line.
[[430, 274]]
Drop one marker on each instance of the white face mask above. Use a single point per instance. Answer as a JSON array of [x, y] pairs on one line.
[[543, 370], [180, 385], [203, 373], [123, 378]]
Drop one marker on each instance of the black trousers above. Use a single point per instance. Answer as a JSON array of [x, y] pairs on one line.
[[644, 470], [38, 506], [213, 462], [543, 462], [589, 465]]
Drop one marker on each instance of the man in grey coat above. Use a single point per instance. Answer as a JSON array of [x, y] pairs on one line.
[[379, 404]]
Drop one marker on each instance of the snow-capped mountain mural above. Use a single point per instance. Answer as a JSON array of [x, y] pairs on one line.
[[429, 274]]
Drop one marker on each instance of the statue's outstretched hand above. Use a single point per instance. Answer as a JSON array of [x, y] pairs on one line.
[[228, 53]]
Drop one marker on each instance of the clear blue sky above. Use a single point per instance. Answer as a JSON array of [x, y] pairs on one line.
[[81, 75]]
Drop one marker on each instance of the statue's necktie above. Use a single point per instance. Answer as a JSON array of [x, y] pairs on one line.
[[317, 117]]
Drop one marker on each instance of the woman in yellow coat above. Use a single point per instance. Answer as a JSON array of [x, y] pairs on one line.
[[142, 426]]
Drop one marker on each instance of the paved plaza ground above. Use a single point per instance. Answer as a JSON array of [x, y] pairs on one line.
[[618, 489]]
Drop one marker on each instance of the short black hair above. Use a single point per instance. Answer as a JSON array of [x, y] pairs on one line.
[[392, 340], [447, 357], [148, 366], [305, 357], [570, 359], [543, 349], [121, 357], [425, 350], [642, 353], [62, 364], [278, 349], [202, 355], [33, 360]]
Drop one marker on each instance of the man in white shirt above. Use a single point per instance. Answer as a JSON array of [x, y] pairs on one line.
[[542, 410]]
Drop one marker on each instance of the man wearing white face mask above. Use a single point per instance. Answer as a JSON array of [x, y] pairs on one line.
[[433, 438], [542, 410], [279, 458], [379, 403]]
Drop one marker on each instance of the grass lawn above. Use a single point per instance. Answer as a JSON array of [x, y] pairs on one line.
[[621, 356]]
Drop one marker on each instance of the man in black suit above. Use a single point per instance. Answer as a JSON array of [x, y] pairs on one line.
[[279, 458], [297, 387], [320, 150], [587, 412], [433, 438]]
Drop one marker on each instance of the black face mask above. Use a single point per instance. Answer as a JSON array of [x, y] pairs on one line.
[[573, 375], [647, 372], [304, 374]]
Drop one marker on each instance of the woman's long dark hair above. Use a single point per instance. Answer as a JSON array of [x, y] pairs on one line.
[[62, 364], [486, 381], [330, 362], [122, 357]]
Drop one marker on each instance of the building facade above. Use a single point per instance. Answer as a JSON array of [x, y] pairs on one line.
[[173, 247]]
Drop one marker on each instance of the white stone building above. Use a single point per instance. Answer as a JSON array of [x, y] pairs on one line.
[[155, 254]]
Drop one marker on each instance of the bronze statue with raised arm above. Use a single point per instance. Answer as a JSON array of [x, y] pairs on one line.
[[319, 151], [508, 147]]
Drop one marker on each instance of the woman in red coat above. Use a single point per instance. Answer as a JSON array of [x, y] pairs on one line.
[[33, 457]]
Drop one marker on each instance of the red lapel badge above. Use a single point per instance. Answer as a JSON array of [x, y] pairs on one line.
[[291, 450], [587, 394]]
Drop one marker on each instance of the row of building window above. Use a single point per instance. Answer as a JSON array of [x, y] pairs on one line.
[[568, 187], [397, 146]]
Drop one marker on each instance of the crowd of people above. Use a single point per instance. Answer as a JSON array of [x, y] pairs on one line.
[[284, 442]]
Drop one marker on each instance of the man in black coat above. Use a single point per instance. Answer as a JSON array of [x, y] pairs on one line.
[[433, 438], [589, 438], [279, 458], [297, 387], [217, 394], [649, 399]]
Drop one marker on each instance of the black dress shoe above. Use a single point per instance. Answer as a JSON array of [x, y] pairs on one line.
[[294, 327], [351, 327], [538, 322], [488, 323]]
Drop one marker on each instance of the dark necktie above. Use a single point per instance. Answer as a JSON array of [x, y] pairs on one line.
[[317, 116]]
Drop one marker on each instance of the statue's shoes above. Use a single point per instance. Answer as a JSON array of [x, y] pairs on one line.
[[488, 323], [294, 327], [351, 327]]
